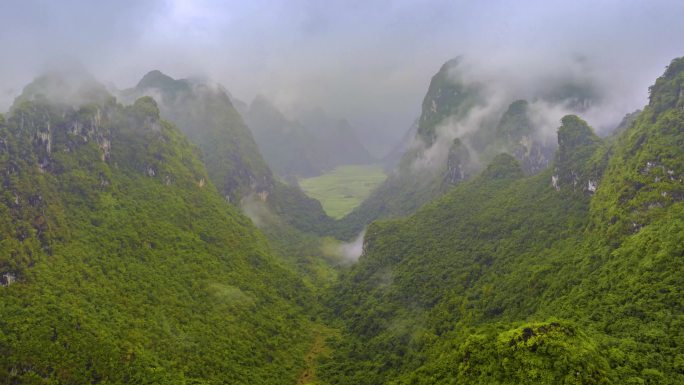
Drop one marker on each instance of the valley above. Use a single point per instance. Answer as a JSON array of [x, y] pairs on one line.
[[122, 239], [343, 188], [520, 219]]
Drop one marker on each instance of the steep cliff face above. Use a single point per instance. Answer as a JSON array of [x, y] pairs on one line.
[[578, 167], [459, 164], [517, 135], [119, 259], [645, 175], [447, 96]]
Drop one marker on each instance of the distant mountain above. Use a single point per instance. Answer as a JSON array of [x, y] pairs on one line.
[[309, 146], [206, 114], [336, 137], [289, 148], [459, 131], [234, 162], [421, 174], [517, 135], [393, 157], [121, 262], [573, 275]]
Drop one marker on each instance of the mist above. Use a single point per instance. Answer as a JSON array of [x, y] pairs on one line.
[[368, 62]]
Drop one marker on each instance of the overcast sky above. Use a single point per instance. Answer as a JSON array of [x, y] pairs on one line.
[[368, 61]]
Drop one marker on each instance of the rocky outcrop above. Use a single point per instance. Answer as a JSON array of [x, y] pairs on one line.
[[447, 96], [458, 167], [574, 169], [517, 135]]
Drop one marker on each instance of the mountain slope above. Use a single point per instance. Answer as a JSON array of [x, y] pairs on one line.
[[235, 165], [464, 124], [422, 173], [573, 275], [122, 263], [206, 114]]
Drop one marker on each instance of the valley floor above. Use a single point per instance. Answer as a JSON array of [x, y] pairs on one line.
[[344, 188]]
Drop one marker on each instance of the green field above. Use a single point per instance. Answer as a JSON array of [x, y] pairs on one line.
[[343, 188]]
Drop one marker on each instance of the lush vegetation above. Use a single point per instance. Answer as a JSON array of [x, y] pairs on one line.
[[343, 188], [121, 260], [206, 114], [235, 165], [126, 264], [571, 276]]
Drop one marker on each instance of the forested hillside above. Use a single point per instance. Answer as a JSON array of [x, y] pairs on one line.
[[416, 193], [120, 260], [290, 219], [573, 275]]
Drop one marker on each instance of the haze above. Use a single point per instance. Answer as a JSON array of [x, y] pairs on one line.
[[369, 62]]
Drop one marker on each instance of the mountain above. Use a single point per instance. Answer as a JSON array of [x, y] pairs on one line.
[[121, 262], [234, 162], [462, 127], [422, 173], [207, 116], [572, 275], [289, 148], [447, 96], [310, 146], [336, 137], [516, 134]]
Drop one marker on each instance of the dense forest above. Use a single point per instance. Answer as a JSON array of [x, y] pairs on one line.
[[158, 234], [121, 261], [570, 276]]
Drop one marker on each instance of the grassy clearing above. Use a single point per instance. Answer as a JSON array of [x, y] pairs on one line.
[[344, 188]]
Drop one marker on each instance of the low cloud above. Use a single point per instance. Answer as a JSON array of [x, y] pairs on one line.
[[369, 62], [343, 253]]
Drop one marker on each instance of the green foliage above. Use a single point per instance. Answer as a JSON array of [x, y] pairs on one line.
[[206, 114], [128, 265], [644, 175], [549, 352], [509, 279], [120, 262], [666, 93]]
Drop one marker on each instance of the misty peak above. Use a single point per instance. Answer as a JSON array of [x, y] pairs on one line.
[[71, 87], [450, 64], [262, 110], [514, 122], [260, 102], [156, 79], [447, 96]]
